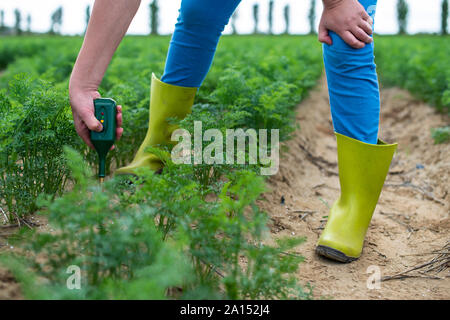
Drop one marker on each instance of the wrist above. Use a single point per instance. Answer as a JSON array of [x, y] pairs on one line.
[[80, 83], [330, 4]]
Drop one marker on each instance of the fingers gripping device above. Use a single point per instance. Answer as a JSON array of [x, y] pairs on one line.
[[105, 112]]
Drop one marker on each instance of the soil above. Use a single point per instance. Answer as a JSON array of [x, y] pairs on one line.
[[9, 288], [411, 220]]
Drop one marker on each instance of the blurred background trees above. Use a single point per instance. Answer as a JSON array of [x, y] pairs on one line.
[[270, 17], [2, 20], [18, 19], [312, 17], [256, 17], [56, 21], [154, 17], [88, 16], [444, 17], [233, 22], [286, 18], [402, 16], [29, 23]]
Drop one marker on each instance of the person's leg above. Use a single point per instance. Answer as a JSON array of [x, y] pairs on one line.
[[363, 159], [197, 32], [353, 86]]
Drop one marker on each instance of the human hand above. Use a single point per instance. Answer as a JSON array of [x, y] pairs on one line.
[[82, 102], [349, 20]]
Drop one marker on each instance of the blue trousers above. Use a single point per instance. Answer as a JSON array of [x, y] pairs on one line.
[[351, 74], [199, 26], [353, 86]]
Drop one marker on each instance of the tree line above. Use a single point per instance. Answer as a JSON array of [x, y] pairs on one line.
[[57, 19]]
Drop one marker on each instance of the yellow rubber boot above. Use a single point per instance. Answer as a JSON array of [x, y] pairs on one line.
[[362, 171], [166, 101]]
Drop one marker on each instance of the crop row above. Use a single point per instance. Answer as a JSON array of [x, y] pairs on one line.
[[420, 64], [191, 232]]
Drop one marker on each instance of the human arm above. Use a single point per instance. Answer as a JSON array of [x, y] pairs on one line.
[[109, 22]]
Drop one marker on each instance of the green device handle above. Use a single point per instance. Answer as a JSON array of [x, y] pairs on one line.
[[105, 112]]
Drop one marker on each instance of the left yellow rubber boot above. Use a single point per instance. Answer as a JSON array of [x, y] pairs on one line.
[[166, 101], [362, 171]]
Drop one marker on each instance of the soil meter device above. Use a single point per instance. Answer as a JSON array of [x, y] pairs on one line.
[[105, 112]]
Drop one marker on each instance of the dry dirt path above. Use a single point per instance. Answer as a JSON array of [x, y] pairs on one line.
[[412, 216]]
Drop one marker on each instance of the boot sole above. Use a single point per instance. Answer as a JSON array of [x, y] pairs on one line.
[[334, 254]]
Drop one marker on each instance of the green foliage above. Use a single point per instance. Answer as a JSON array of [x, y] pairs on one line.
[[15, 48], [140, 241], [44, 57], [419, 64], [120, 252], [192, 232], [257, 91], [35, 124], [441, 135]]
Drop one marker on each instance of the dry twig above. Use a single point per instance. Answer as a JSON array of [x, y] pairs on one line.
[[4, 215], [429, 270]]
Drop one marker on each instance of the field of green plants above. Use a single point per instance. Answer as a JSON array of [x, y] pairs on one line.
[[193, 232], [420, 64]]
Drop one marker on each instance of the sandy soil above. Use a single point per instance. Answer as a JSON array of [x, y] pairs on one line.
[[9, 288], [412, 216]]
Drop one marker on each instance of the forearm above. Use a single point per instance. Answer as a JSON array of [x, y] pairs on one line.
[[109, 22]]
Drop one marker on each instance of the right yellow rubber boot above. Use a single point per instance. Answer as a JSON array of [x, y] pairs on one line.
[[362, 170], [166, 101]]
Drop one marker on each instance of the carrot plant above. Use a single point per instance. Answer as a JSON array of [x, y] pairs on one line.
[[15, 48], [139, 241], [419, 64], [35, 126], [194, 227], [441, 135]]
